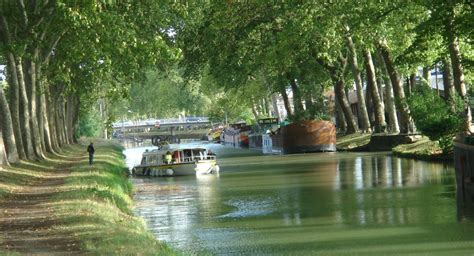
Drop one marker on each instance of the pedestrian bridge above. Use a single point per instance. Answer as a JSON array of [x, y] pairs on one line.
[[183, 128]]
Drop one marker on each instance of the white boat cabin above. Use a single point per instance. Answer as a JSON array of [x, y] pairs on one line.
[[178, 156]]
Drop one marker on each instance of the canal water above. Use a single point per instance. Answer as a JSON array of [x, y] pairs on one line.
[[308, 204]]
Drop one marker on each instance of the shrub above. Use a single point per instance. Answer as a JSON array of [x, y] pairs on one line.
[[435, 118]]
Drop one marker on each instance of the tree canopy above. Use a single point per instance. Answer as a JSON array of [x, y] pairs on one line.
[[67, 59]]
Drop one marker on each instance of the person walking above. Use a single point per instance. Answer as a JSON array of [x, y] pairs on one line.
[[91, 150]]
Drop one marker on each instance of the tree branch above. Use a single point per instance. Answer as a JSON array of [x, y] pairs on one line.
[[23, 12], [46, 2], [386, 13], [6, 32], [49, 52]]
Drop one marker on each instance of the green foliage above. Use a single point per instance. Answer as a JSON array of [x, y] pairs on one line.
[[435, 118], [228, 107], [166, 94], [90, 124]]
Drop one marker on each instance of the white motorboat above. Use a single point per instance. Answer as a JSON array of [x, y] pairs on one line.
[[176, 162]]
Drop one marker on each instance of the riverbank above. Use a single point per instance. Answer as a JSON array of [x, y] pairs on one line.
[[422, 149], [64, 206], [353, 142]]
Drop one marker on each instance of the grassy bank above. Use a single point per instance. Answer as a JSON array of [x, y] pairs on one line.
[[423, 149], [92, 204], [356, 141]]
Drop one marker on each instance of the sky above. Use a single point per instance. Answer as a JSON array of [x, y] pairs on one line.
[[2, 72]]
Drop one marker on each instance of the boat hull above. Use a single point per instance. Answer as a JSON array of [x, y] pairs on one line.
[[306, 136], [181, 169]]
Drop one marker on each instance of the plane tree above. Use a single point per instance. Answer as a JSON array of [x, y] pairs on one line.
[[63, 55], [452, 22], [260, 43]]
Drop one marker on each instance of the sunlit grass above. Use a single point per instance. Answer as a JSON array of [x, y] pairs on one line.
[[98, 198], [424, 149], [351, 141], [12, 178], [104, 229]]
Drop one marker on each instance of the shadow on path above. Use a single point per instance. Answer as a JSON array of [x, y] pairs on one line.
[[28, 223]]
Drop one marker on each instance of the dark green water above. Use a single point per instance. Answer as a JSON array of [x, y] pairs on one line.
[[327, 203]]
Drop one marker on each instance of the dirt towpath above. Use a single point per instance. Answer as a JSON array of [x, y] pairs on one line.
[[28, 222]]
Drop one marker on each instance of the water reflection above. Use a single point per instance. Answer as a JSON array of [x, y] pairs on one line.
[[465, 202], [267, 204], [207, 194], [381, 189]]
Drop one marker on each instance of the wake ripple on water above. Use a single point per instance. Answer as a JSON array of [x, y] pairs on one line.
[[251, 207]]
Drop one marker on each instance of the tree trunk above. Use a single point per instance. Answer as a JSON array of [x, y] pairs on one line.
[[380, 87], [45, 110], [389, 97], [426, 76], [309, 105], [58, 125], [24, 112], [412, 82], [75, 117], [70, 118], [448, 83], [286, 101], [47, 133], [40, 118], [15, 105], [345, 106], [7, 127], [260, 108], [276, 111], [406, 122], [36, 137], [340, 120], [3, 152], [337, 76], [369, 105], [254, 112], [51, 117], [64, 123], [363, 115], [104, 116], [66, 120], [406, 87], [297, 102], [268, 106], [39, 107], [372, 84], [458, 72]]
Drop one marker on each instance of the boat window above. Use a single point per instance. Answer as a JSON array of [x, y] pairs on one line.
[[198, 153], [187, 155]]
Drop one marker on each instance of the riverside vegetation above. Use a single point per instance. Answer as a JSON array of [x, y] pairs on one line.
[[63, 205]]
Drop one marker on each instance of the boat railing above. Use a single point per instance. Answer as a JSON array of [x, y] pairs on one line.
[[193, 159]]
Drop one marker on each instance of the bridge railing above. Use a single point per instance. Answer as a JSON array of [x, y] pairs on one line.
[[188, 120]]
